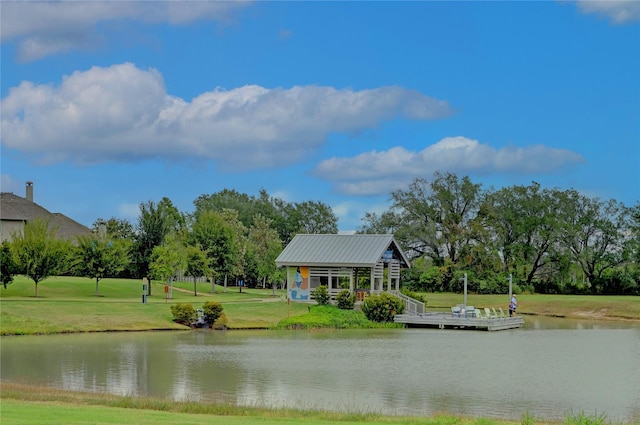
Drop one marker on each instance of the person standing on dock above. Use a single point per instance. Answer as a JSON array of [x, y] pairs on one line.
[[513, 305]]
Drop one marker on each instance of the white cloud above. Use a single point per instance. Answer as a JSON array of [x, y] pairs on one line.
[[45, 28], [618, 11], [124, 113], [375, 173]]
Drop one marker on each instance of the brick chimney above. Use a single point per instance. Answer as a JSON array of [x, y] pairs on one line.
[[29, 191]]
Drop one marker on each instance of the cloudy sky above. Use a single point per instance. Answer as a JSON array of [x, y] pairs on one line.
[[109, 104]]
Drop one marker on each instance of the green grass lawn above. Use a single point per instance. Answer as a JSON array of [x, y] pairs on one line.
[[69, 304], [614, 307]]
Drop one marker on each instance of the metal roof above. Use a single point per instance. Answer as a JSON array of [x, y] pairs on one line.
[[339, 250]]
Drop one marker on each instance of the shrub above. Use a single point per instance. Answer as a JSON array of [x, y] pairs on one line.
[[221, 323], [212, 311], [345, 300], [183, 313], [382, 308], [321, 295]]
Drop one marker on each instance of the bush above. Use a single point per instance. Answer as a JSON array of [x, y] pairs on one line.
[[345, 300], [321, 295], [382, 308], [221, 323], [212, 311], [184, 314]]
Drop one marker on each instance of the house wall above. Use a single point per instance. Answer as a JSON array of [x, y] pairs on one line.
[[9, 227]]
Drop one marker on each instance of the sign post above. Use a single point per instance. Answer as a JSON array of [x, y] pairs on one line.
[[145, 283]]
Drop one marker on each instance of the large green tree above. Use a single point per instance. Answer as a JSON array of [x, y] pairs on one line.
[[39, 253], [524, 223], [312, 217], [155, 222], [167, 260], [218, 234], [435, 219], [264, 248], [593, 232], [197, 265], [97, 256], [285, 217]]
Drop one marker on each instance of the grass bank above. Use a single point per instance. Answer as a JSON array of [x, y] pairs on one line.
[[69, 304], [597, 307], [30, 405]]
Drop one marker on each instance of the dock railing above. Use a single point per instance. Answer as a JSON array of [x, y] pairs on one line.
[[412, 306]]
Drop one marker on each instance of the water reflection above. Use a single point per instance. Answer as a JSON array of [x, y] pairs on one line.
[[548, 368]]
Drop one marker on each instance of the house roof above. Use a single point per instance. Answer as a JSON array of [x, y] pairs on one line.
[[17, 208], [339, 250]]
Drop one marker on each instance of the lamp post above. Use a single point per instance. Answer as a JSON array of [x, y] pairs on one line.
[[465, 289]]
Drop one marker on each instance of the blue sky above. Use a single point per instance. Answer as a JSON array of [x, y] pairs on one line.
[[109, 104]]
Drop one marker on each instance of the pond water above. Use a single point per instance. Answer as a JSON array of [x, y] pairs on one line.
[[549, 368]]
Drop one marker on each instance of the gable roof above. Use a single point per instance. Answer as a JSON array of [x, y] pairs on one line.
[[17, 208], [339, 250]]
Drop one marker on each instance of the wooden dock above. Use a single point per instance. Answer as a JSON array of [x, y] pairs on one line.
[[447, 320]]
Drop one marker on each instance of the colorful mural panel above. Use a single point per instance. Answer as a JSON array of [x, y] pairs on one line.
[[298, 282]]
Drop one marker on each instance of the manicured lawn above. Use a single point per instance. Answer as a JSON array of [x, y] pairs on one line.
[[614, 307], [68, 304]]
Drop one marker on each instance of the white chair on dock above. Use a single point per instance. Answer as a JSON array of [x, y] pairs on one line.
[[502, 313], [478, 313], [489, 314], [455, 311], [495, 313]]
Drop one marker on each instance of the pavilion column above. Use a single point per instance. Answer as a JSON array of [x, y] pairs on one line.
[[373, 280], [351, 282]]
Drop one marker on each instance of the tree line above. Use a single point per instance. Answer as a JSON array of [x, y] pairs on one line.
[[228, 236], [546, 240]]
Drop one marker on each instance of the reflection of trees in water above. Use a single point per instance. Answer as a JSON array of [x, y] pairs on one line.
[[413, 372]]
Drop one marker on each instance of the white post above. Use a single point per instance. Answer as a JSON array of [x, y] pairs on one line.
[[351, 282], [510, 287], [465, 290]]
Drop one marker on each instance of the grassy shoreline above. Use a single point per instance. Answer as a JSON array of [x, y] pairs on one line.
[[27, 404], [68, 304]]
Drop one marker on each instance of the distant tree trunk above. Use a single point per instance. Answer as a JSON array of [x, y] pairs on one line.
[[195, 287]]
